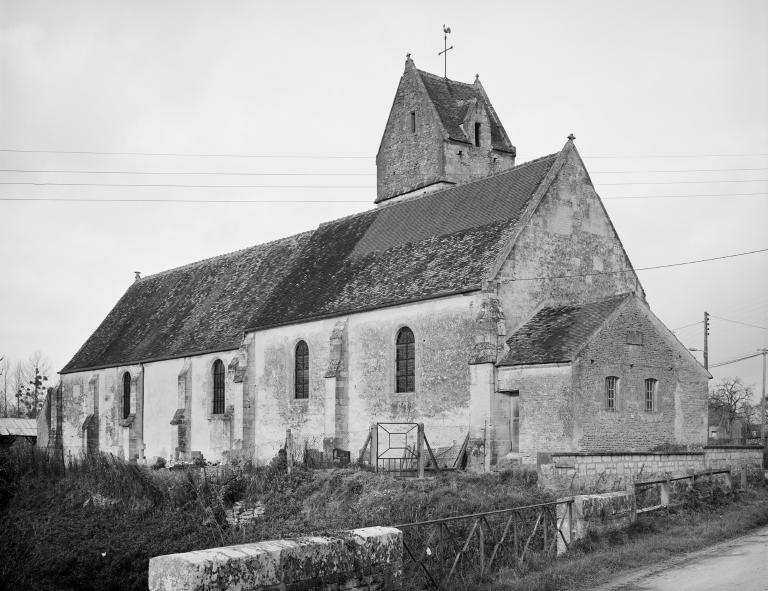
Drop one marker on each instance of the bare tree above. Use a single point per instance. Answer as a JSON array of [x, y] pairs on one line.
[[31, 385], [730, 402]]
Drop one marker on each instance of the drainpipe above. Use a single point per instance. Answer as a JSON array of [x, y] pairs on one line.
[[141, 441]]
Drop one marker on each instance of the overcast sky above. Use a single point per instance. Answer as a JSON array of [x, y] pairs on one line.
[[668, 102]]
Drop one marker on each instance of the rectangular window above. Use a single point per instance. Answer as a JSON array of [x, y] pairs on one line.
[[477, 134], [650, 395], [611, 391], [413, 121]]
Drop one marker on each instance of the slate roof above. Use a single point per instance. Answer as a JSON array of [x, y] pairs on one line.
[[18, 427], [425, 247], [556, 333], [452, 99]]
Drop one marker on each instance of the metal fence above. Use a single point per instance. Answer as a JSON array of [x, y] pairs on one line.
[[465, 548]]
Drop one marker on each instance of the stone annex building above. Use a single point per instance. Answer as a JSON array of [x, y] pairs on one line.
[[479, 296]]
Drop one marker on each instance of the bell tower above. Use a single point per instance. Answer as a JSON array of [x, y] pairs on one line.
[[439, 133]]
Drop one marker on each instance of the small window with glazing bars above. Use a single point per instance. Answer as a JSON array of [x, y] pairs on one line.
[[611, 393], [650, 395]]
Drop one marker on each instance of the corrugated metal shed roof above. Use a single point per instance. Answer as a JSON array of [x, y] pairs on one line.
[[20, 427]]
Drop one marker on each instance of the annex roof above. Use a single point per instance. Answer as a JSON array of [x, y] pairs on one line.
[[18, 427], [424, 247], [555, 334], [452, 99]]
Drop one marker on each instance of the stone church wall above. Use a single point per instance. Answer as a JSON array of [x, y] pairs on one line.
[[681, 388], [546, 407], [154, 401], [569, 234], [364, 379]]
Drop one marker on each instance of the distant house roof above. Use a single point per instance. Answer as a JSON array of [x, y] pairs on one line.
[[425, 247], [452, 99], [555, 334], [18, 427]]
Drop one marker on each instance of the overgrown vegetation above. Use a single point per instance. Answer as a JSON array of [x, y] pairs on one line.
[[96, 524]]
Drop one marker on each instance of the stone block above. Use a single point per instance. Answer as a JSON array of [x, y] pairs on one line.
[[328, 562]]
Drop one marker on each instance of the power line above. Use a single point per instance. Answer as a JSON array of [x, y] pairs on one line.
[[673, 156], [313, 157], [676, 170], [190, 173], [49, 171], [182, 200], [713, 195], [722, 363], [188, 186], [728, 256], [686, 182], [183, 154], [687, 325], [739, 322]]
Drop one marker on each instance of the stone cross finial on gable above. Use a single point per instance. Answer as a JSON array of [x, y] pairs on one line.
[[138, 275], [571, 137]]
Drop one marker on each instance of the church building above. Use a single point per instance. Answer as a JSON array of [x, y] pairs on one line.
[[488, 299]]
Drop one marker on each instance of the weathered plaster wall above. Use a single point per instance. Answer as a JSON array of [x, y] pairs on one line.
[[569, 234], [546, 407], [154, 400], [681, 388], [365, 388]]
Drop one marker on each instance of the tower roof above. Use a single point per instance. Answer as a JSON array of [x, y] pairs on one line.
[[452, 99]]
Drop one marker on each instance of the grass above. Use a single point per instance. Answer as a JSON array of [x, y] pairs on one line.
[[96, 524], [703, 520]]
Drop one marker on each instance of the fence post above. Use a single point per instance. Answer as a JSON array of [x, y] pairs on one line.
[[288, 450], [487, 448], [420, 449], [743, 478], [375, 446], [664, 493]]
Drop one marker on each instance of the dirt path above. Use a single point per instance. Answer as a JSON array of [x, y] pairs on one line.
[[740, 564]]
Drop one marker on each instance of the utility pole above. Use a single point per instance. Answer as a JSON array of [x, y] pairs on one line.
[[762, 401], [706, 341]]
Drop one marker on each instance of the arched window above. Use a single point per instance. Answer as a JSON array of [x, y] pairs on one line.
[[218, 387], [126, 395], [301, 375], [612, 393], [405, 361]]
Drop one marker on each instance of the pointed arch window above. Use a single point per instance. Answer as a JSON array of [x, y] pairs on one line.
[[405, 361], [126, 394], [301, 373], [218, 387]]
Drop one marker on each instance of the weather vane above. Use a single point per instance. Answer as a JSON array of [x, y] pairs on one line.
[[444, 53]]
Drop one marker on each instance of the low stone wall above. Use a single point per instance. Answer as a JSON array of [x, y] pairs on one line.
[[597, 513], [618, 470], [722, 456], [367, 558]]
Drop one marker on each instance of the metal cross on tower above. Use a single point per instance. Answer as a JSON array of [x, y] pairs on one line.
[[444, 53]]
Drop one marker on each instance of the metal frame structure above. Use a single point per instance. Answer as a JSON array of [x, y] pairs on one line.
[[439, 550]]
